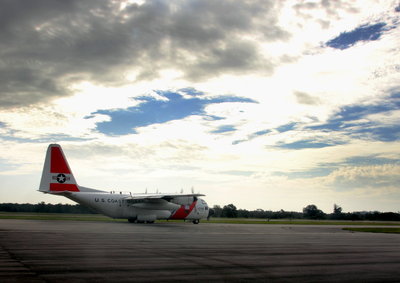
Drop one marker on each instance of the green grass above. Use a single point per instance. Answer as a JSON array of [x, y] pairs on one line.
[[99, 217], [375, 230], [301, 222]]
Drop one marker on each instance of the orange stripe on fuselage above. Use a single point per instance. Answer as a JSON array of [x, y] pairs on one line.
[[58, 163], [182, 213]]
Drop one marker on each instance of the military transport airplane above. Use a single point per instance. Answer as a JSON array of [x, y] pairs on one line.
[[57, 179]]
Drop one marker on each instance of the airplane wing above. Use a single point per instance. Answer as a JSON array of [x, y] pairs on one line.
[[167, 197]]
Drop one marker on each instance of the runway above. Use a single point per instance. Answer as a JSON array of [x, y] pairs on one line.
[[50, 251]]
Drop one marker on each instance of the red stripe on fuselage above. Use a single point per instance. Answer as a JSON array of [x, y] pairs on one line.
[[54, 187], [58, 164], [182, 213]]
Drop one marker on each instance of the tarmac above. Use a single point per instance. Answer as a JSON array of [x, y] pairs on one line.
[[77, 251]]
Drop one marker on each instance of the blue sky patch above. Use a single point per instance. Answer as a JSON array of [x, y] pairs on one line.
[[363, 33], [320, 171], [224, 129], [369, 160], [286, 127], [213, 118], [347, 120], [260, 133], [151, 110], [302, 144], [252, 136], [191, 91], [384, 133]]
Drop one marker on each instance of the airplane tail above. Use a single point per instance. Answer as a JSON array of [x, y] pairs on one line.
[[57, 176]]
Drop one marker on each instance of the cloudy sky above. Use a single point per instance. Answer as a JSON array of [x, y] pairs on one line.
[[263, 104]]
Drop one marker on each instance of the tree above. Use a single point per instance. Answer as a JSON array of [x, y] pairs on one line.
[[337, 210], [217, 211], [229, 211], [312, 212]]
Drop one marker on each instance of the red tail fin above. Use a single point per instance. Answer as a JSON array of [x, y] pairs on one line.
[[57, 176]]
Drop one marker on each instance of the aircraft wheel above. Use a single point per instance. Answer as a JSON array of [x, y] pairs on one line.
[[131, 220], [196, 221]]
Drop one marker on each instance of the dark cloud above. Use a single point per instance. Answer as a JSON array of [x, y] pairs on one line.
[[305, 98], [47, 44]]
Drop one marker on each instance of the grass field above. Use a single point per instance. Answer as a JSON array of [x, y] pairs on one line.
[[99, 217]]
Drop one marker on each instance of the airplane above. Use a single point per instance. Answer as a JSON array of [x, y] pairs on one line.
[[57, 179]]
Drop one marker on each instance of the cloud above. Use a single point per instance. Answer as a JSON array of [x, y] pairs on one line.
[[397, 8], [226, 96], [348, 164], [316, 172], [378, 175], [305, 98], [47, 46], [325, 13], [329, 7]]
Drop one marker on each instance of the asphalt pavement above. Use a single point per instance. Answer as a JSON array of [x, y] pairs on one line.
[[78, 251]]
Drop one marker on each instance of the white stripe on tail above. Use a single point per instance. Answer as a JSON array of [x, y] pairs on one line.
[[57, 176]]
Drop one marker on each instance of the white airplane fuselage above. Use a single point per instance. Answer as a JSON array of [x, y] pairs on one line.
[[118, 205]]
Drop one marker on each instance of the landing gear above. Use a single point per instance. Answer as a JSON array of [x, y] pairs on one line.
[[134, 220], [196, 221]]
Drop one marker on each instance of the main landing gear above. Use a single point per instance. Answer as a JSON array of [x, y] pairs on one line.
[[134, 220]]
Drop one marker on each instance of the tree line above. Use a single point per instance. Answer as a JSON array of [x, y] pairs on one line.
[[309, 212], [230, 211]]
